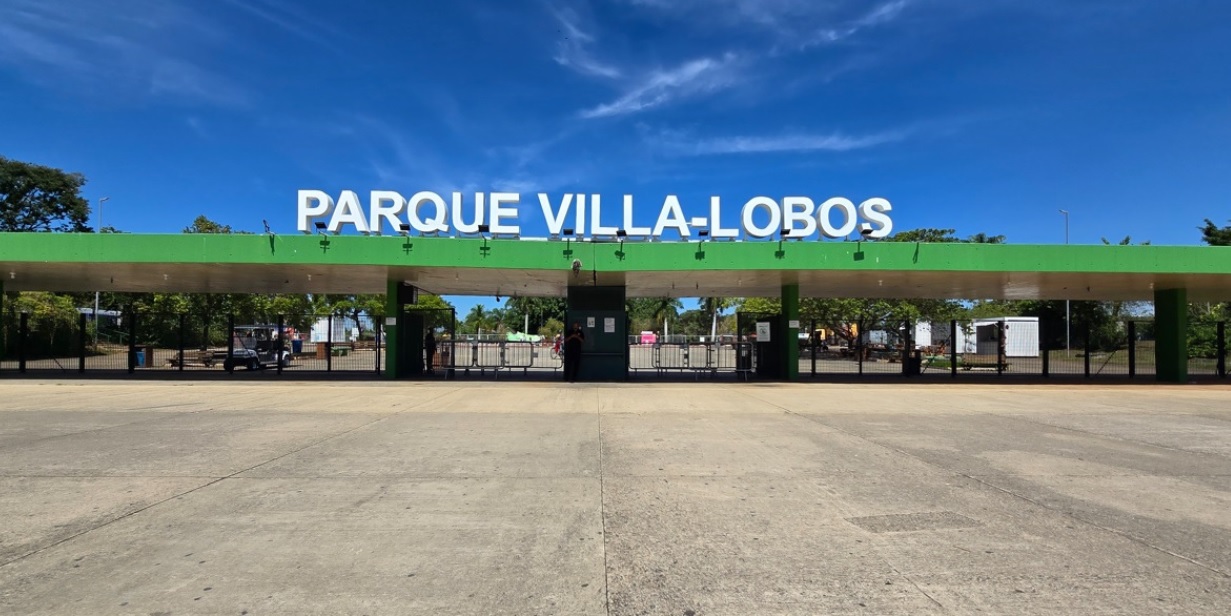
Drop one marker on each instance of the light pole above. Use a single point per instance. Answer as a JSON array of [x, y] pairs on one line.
[[100, 230], [1067, 328]]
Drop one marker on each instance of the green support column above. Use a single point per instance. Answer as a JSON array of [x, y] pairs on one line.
[[790, 342], [393, 308], [1171, 335]]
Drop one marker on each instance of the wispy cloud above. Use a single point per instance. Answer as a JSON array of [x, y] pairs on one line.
[[88, 47], [572, 50], [659, 87], [682, 144], [289, 18], [882, 14]]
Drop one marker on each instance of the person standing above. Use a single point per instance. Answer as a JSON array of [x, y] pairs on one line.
[[429, 348], [572, 352]]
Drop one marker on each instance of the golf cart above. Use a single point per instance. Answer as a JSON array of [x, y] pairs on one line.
[[256, 348]]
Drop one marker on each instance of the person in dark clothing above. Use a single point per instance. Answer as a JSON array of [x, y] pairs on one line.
[[429, 348], [572, 352]]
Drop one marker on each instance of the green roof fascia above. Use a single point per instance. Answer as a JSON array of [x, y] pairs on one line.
[[631, 256]]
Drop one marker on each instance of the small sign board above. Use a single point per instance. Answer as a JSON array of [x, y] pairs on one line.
[[590, 322], [392, 321], [609, 325], [763, 331], [793, 324]]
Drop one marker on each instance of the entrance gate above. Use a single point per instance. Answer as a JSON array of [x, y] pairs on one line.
[[761, 356], [427, 344]]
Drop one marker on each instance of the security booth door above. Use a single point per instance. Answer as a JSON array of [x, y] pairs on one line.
[[604, 354], [770, 335], [410, 345]]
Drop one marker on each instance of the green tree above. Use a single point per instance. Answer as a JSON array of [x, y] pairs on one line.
[[649, 313], [52, 324], [936, 236], [539, 309], [713, 306], [551, 329], [38, 198], [481, 319], [983, 238], [203, 224], [1214, 235]]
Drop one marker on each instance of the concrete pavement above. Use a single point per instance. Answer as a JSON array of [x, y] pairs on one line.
[[542, 498]]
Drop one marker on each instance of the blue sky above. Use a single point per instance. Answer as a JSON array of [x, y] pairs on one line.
[[984, 116]]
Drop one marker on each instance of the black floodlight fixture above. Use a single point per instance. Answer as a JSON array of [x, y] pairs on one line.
[[404, 229], [320, 227], [566, 232], [866, 233], [621, 233], [484, 228]]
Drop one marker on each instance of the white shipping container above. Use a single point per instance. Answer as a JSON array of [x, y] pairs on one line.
[[1021, 336]]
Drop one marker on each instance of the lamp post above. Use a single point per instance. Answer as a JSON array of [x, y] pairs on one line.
[[1067, 327], [100, 230]]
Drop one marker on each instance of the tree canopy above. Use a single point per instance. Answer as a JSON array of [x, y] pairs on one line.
[[38, 198], [1214, 235]]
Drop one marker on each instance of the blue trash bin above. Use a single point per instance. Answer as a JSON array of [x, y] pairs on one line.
[[297, 346], [140, 359]]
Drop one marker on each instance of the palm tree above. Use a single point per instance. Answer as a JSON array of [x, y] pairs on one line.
[[715, 305]]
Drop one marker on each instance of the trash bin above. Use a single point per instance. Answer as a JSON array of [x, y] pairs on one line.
[[297, 346], [140, 359]]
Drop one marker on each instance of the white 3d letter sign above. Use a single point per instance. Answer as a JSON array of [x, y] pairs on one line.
[[426, 212]]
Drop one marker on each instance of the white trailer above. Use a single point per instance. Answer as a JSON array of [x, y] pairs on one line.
[[979, 337]]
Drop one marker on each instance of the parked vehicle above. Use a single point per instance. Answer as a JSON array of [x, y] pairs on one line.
[[255, 347]]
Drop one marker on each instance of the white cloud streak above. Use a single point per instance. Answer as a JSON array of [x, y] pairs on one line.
[[880, 15], [91, 48], [572, 50], [691, 78], [835, 142]]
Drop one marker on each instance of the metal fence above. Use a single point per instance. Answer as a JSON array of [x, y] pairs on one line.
[[1003, 347], [154, 342], [151, 342], [487, 355]]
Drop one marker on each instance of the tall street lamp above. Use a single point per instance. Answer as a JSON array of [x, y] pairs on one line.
[[100, 230], [1067, 327]]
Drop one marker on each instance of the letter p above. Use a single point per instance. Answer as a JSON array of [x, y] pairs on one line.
[[313, 204]]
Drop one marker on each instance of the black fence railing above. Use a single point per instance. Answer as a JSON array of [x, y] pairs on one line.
[[1008, 346], [164, 342], [146, 342]]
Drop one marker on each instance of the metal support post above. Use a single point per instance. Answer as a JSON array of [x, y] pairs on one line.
[[859, 347], [953, 348], [23, 334], [81, 342], [132, 339], [1000, 327], [906, 347], [281, 342], [1087, 348], [378, 328], [229, 361], [1222, 349], [815, 345], [1132, 349], [329, 346], [182, 334], [1044, 347]]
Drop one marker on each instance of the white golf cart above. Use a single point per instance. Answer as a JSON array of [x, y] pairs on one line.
[[256, 348]]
